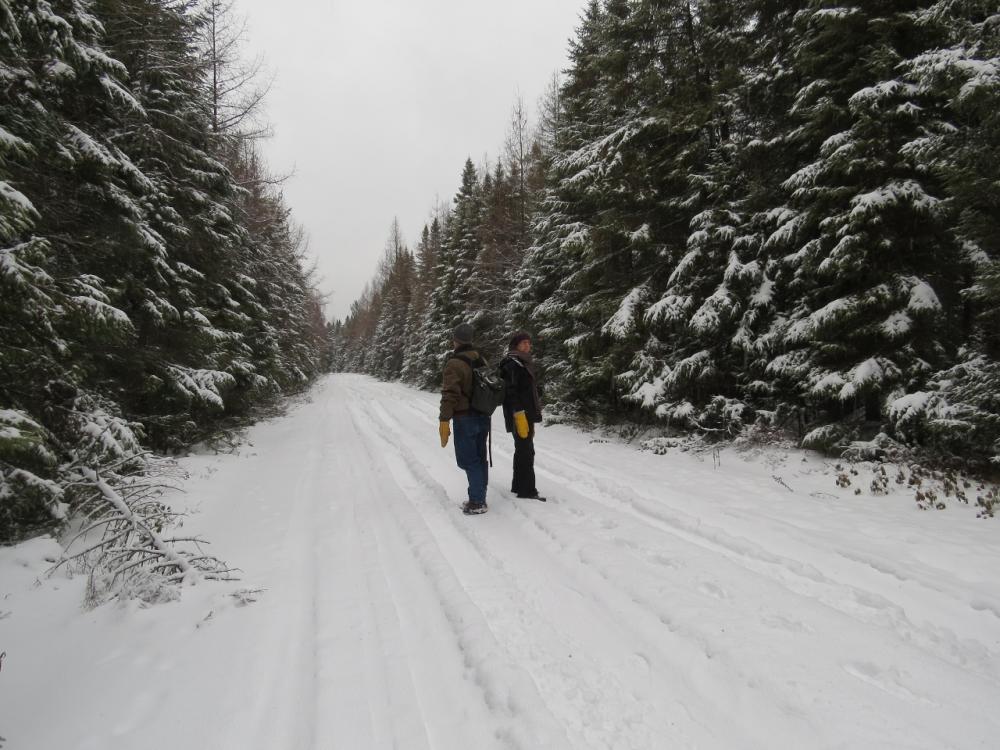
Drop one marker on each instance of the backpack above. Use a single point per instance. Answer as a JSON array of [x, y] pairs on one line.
[[488, 388]]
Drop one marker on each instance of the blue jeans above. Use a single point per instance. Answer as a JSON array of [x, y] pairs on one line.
[[471, 431]]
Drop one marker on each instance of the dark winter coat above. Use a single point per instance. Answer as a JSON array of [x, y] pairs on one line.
[[456, 383], [518, 370]]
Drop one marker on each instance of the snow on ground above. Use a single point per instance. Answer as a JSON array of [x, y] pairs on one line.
[[667, 601]]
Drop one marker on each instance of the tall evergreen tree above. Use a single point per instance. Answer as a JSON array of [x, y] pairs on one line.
[[752, 210], [66, 190], [701, 362], [396, 279], [135, 304], [959, 409], [868, 261]]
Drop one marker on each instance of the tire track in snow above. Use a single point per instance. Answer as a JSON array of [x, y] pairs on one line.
[[397, 676], [678, 671], [979, 606], [286, 667], [877, 672], [798, 577], [372, 700], [507, 689], [801, 578]]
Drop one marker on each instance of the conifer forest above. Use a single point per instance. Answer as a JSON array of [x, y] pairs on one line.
[[726, 218], [153, 288], [756, 247], [734, 217]]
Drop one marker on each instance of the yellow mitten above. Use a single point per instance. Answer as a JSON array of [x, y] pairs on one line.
[[521, 424], [445, 429]]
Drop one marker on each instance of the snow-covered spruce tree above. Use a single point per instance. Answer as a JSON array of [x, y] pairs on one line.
[[63, 437], [271, 300], [464, 243], [358, 330], [559, 288], [66, 190], [455, 262], [507, 194], [167, 280], [464, 269], [540, 269], [869, 266], [286, 342], [486, 290], [375, 337], [223, 302], [689, 369], [960, 409], [395, 279], [762, 151], [428, 341], [510, 197], [336, 343], [424, 282], [118, 264], [530, 280], [638, 119]]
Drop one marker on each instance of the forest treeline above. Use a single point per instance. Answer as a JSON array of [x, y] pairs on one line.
[[152, 281], [735, 215]]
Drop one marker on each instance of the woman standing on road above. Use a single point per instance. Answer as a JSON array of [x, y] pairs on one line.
[[522, 410]]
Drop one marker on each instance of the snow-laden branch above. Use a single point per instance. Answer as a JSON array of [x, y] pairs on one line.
[[122, 545]]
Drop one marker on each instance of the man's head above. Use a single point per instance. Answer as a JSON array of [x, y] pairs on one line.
[[463, 334], [521, 342]]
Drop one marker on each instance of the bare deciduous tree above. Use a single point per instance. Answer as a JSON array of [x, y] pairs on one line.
[[236, 86]]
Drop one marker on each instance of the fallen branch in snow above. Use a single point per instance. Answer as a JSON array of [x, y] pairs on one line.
[[781, 481], [244, 597], [124, 551]]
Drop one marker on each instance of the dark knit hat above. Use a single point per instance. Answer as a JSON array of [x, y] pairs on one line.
[[518, 337], [463, 333]]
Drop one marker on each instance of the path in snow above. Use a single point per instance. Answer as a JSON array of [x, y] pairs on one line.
[[654, 601]]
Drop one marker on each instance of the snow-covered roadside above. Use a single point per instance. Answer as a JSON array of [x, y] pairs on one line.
[[654, 601]]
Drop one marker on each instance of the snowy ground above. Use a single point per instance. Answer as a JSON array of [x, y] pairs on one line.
[[667, 601]]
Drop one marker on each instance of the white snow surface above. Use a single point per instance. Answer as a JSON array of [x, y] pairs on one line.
[[655, 601]]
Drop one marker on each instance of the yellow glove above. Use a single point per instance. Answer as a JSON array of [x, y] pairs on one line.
[[521, 424], [445, 429]]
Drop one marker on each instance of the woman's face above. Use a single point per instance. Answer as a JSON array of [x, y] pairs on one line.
[[524, 346]]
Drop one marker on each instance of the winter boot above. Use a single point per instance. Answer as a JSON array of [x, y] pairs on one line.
[[532, 496]]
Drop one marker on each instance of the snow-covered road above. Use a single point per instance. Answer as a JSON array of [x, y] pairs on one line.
[[654, 602]]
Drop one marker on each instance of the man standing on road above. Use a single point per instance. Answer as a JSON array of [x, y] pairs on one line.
[[471, 427], [522, 409]]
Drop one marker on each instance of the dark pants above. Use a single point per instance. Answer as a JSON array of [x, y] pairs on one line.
[[471, 431], [524, 464]]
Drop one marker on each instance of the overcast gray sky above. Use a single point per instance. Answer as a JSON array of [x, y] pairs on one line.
[[377, 104]]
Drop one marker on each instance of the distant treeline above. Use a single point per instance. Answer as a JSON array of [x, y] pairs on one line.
[[151, 278], [736, 215]]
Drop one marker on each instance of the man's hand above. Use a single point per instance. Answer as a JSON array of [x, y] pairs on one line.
[[445, 430]]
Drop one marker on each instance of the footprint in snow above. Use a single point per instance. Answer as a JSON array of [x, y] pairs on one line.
[[780, 622], [663, 560], [713, 590]]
